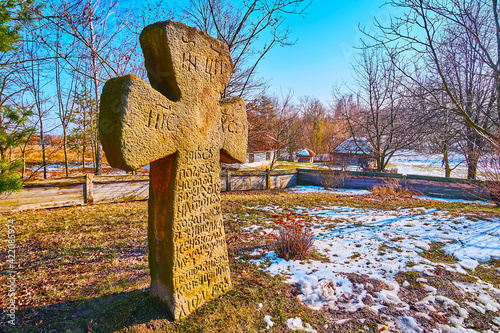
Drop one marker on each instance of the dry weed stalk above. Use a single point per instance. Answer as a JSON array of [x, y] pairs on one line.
[[491, 172], [392, 188], [295, 237]]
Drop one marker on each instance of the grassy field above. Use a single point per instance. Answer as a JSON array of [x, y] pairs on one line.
[[55, 162], [84, 269]]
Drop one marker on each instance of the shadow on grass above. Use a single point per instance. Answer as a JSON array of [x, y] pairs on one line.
[[104, 314]]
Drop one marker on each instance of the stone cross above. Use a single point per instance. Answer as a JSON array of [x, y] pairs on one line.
[[183, 130]]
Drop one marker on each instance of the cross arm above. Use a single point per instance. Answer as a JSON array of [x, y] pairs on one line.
[[234, 130], [137, 124]]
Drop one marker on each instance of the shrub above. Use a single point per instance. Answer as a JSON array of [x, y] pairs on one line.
[[295, 237], [391, 188], [333, 178], [491, 172]]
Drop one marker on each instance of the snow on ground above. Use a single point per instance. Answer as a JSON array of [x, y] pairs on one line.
[[382, 243], [319, 189], [255, 165], [296, 324], [269, 322], [413, 163], [345, 191], [481, 202], [59, 167]]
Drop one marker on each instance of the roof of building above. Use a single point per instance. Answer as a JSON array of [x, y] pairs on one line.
[[306, 152], [354, 146]]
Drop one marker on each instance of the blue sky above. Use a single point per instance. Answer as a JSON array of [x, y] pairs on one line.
[[322, 55]]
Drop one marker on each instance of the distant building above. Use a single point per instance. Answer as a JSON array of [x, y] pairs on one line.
[[354, 151], [260, 156], [260, 147], [306, 156]]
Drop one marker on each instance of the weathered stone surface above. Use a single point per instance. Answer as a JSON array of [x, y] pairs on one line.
[[183, 130]]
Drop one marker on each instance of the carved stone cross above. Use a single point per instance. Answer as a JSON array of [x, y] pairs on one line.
[[183, 129]]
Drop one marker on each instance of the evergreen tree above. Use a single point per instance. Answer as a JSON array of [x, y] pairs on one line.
[[13, 120], [12, 13], [14, 131]]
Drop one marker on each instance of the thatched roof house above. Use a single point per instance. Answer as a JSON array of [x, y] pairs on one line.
[[306, 155], [354, 151]]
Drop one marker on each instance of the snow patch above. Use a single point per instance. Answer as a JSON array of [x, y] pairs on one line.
[[408, 325], [296, 324], [319, 189], [268, 321], [381, 243], [468, 264]]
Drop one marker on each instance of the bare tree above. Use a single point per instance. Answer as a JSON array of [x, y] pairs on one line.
[[36, 78], [443, 136], [490, 164], [381, 110], [65, 102], [96, 45], [242, 26], [419, 33], [276, 122], [472, 82]]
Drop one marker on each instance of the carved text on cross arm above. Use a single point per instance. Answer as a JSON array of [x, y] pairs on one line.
[[212, 66], [161, 118], [230, 126]]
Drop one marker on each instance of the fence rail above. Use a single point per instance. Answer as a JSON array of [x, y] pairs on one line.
[[91, 189]]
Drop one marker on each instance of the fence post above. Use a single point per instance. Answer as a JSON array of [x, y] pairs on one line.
[[268, 179], [228, 180], [88, 189], [404, 181]]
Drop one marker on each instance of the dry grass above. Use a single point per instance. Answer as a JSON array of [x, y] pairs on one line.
[[85, 269], [391, 188], [53, 154]]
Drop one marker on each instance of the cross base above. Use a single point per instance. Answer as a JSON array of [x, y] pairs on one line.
[[188, 254]]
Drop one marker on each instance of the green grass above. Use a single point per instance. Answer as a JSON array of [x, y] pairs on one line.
[[489, 272], [437, 254]]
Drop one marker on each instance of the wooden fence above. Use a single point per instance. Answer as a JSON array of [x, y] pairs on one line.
[[100, 189], [451, 188]]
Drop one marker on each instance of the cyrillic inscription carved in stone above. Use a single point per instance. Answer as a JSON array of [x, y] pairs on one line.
[[184, 131]]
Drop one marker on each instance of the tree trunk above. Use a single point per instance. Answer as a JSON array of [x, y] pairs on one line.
[[65, 148], [92, 148], [497, 69], [473, 153], [380, 163], [84, 141], [472, 166], [447, 165], [23, 158], [446, 161], [42, 139], [98, 158]]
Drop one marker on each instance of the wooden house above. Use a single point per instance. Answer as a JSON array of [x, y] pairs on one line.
[[354, 151]]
